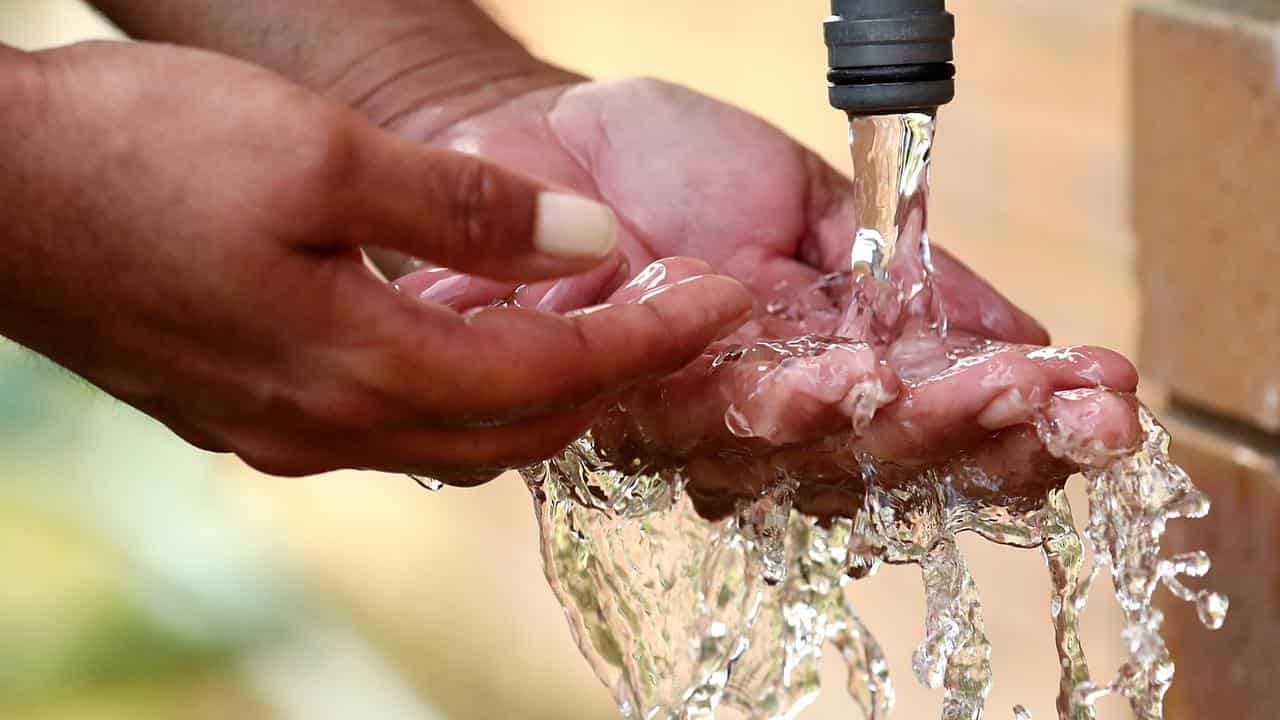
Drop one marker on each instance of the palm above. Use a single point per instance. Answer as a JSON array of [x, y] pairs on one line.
[[689, 176], [669, 162], [692, 176]]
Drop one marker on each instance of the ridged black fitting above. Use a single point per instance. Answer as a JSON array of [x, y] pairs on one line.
[[890, 56]]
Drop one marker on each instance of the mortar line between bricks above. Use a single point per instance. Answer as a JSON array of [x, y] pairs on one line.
[[1237, 431], [1255, 21]]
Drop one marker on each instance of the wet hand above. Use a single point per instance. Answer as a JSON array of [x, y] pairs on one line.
[[735, 420], [688, 176], [691, 176]]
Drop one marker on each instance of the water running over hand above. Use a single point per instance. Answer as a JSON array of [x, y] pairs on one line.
[[686, 598]]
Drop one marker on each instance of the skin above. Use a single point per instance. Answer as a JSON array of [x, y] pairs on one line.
[[788, 228], [961, 412], [184, 230], [684, 175]]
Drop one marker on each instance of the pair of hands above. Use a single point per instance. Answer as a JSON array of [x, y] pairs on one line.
[[693, 177], [188, 231]]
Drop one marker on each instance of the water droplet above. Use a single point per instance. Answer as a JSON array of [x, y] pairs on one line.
[[427, 483], [736, 421], [1212, 608]]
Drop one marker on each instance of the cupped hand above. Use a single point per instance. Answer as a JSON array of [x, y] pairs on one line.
[[692, 176], [688, 176], [183, 230], [816, 409]]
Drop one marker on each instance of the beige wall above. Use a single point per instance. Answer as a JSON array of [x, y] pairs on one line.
[[39, 23], [1209, 233], [1030, 188]]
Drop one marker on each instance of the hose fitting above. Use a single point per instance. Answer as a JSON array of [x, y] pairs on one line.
[[890, 56]]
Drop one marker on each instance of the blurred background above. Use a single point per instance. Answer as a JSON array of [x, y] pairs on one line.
[[142, 579]]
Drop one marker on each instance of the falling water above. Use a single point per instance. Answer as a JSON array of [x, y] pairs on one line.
[[682, 612]]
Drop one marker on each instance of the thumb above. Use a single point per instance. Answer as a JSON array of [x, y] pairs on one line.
[[464, 213]]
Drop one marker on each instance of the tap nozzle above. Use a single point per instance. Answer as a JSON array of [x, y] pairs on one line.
[[890, 56]]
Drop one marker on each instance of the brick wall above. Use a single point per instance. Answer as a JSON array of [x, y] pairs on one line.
[[1207, 211]]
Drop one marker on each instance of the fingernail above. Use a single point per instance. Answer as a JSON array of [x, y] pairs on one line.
[[446, 291], [569, 226], [1040, 328], [864, 400], [1007, 410]]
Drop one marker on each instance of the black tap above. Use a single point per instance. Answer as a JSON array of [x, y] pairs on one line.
[[890, 56]]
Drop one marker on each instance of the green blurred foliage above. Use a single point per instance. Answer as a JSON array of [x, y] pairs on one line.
[[89, 618]]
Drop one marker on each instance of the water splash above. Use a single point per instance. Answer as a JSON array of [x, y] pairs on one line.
[[660, 600], [428, 484], [684, 605], [1130, 502], [680, 614], [778, 676]]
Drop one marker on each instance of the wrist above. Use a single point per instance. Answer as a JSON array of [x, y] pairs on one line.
[[389, 59], [419, 89]]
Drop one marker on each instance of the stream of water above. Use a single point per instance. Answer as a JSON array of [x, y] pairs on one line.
[[682, 611]]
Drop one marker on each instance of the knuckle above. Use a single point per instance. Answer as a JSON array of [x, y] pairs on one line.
[[670, 352], [477, 195], [324, 157], [403, 380], [335, 404], [356, 408], [342, 405], [563, 374]]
